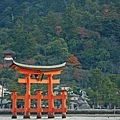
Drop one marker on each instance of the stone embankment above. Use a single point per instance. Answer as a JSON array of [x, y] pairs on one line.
[[82, 111], [94, 111], [5, 111]]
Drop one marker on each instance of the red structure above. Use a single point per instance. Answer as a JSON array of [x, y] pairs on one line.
[[38, 71]]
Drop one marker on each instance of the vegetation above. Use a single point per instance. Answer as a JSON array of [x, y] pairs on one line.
[[85, 33]]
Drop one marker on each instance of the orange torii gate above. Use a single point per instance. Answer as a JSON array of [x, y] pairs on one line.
[[38, 71]]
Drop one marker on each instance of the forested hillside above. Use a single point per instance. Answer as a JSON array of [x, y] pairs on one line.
[[84, 33]]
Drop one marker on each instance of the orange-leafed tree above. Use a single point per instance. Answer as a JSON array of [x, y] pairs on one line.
[[83, 32], [58, 30], [75, 65], [73, 61]]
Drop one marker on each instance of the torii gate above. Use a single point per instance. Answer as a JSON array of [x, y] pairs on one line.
[[38, 71]]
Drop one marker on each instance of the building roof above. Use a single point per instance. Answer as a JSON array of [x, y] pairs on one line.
[[74, 95], [5, 101], [41, 68], [79, 101], [8, 51]]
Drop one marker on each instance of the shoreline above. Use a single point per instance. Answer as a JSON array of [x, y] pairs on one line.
[[93, 115], [94, 111], [82, 112], [71, 115]]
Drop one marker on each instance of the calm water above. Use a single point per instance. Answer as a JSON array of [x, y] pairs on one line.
[[59, 118]]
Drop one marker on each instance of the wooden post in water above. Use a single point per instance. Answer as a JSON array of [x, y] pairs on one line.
[[50, 97], [64, 108], [39, 97], [14, 104], [27, 98]]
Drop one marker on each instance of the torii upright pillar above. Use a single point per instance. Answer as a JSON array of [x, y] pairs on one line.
[[27, 98], [51, 101]]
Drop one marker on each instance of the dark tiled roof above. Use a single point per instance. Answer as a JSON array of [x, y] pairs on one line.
[[8, 51], [74, 95]]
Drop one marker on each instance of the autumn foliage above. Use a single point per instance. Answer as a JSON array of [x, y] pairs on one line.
[[83, 32], [58, 30], [73, 61]]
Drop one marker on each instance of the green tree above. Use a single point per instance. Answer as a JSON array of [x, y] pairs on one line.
[[58, 48], [69, 22], [102, 90], [24, 44]]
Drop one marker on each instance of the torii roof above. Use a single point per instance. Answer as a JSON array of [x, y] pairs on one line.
[[41, 68]]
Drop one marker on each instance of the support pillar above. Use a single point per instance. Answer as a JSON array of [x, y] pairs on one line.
[[64, 96], [50, 100], [39, 108], [27, 98], [14, 104]]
